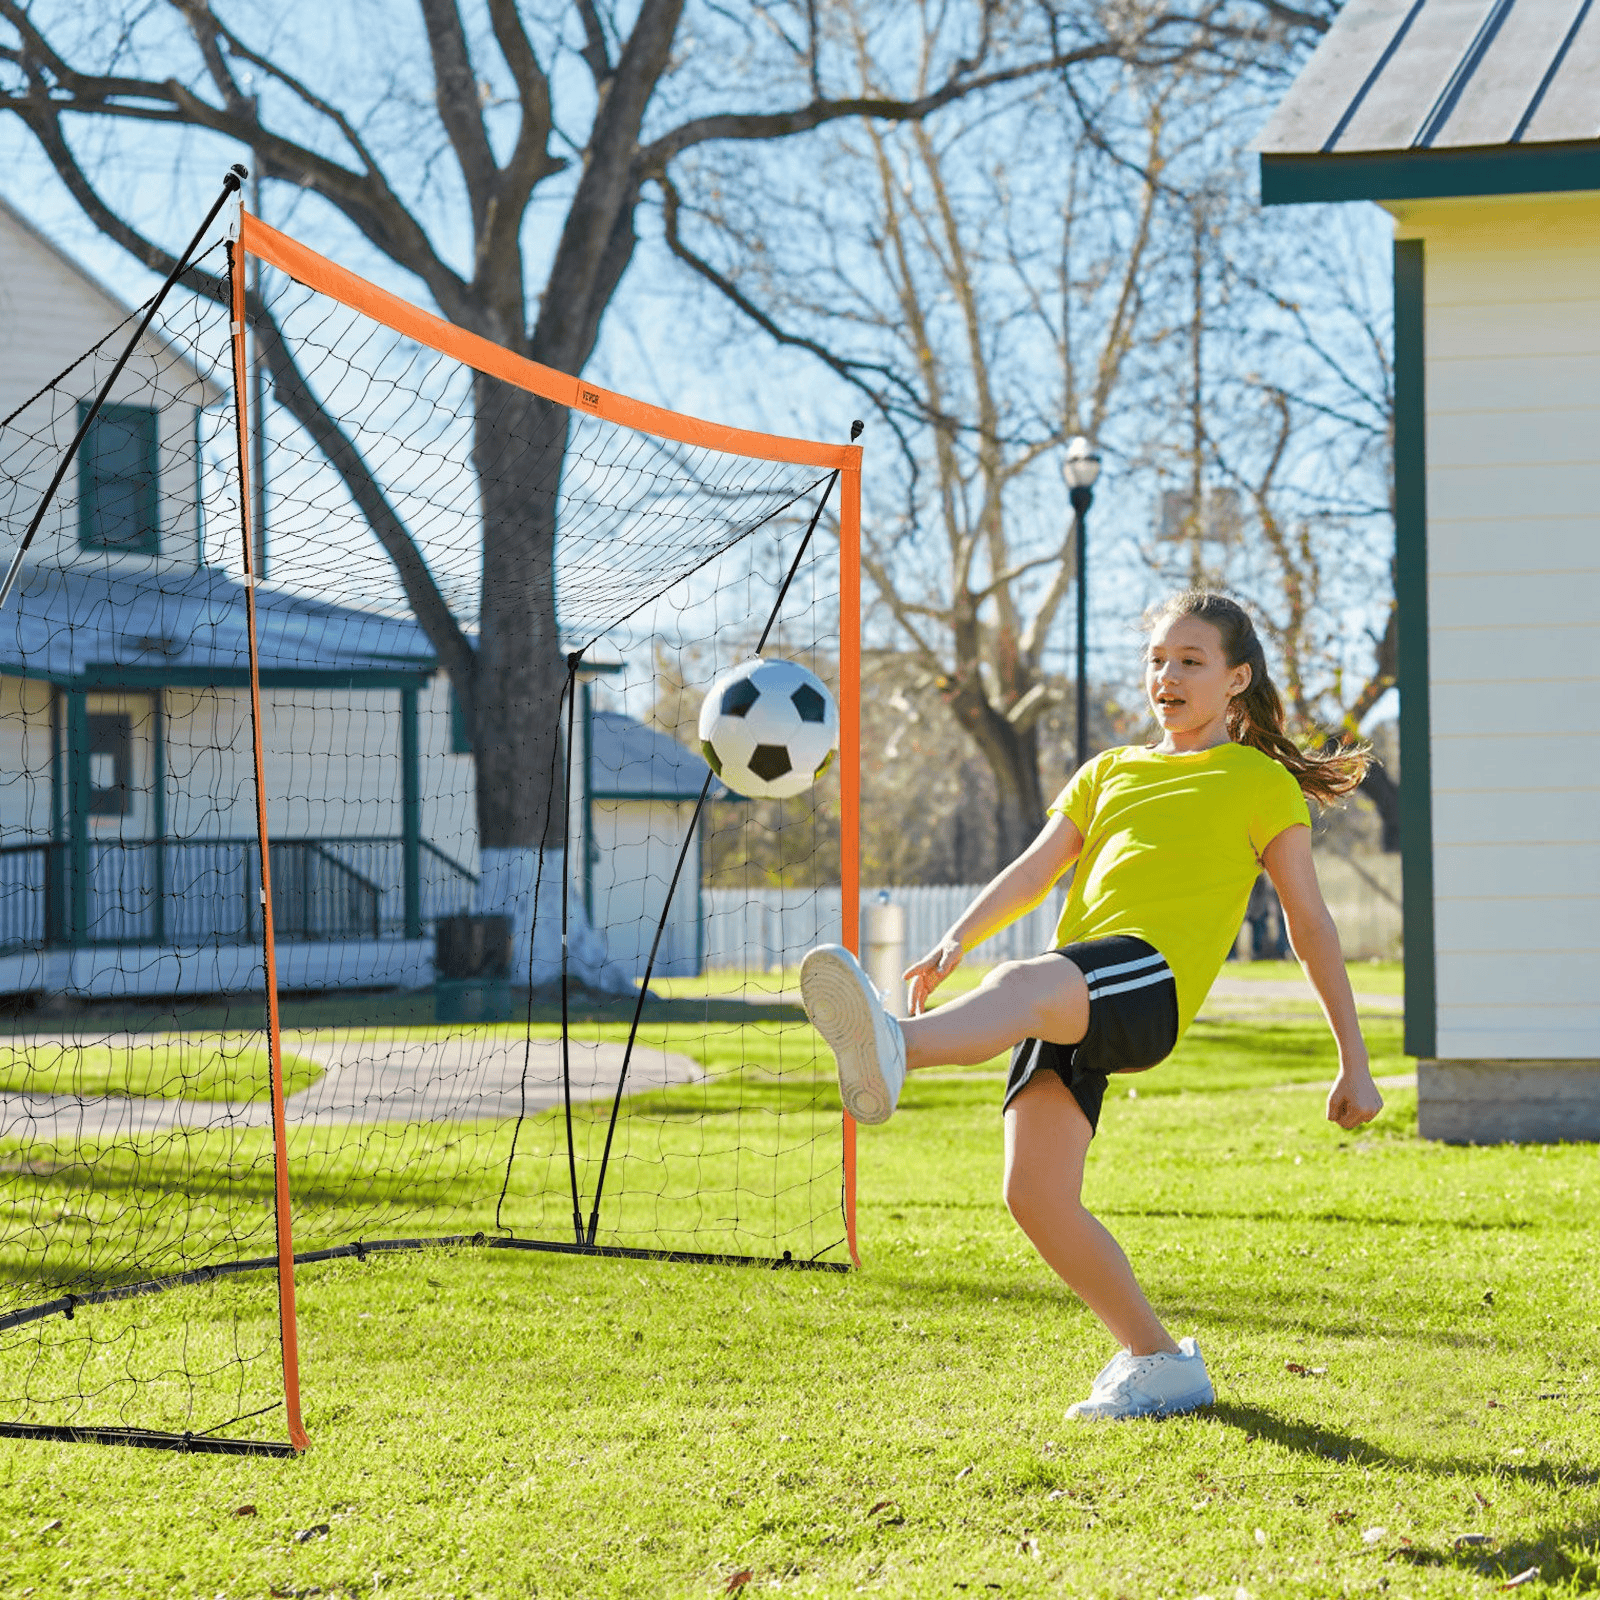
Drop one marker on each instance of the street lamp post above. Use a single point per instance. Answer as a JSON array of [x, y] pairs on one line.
[[1081, 468]]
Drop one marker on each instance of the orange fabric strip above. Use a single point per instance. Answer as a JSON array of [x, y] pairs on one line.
[[338, 283]]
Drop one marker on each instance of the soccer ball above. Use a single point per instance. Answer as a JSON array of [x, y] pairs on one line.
[[768, 729]]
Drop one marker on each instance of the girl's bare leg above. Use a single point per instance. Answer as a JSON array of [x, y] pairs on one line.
[[1045, 998], [1047, 1138]]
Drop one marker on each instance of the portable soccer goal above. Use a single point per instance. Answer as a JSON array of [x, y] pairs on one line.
[[271, 740]]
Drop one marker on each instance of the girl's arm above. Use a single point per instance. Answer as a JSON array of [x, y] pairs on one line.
[[1354, 1098], [1015, 891]]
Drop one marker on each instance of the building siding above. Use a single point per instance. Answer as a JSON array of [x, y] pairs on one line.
[[1513, 489]]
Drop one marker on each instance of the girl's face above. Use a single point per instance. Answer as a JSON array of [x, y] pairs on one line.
[[1189, 682]]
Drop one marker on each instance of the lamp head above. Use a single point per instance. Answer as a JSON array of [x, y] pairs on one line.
[[1082, 464]]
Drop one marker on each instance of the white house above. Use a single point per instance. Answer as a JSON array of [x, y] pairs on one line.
[[1474, 123], [128, 852]]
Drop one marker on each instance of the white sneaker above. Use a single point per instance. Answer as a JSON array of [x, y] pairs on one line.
[[847, 1011], [1148, 1386]]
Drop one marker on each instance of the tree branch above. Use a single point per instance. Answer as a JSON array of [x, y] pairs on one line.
[[460, 111]]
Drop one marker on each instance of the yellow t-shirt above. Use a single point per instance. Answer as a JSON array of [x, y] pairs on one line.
[[1171, 846]]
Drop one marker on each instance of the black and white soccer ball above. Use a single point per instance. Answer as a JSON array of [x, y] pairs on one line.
[[769, 729]]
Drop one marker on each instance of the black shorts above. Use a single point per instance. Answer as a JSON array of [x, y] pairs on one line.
[[1133, 1022]]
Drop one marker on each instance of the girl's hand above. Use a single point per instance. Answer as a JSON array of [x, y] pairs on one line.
[[1354, 1098], [924, 976]]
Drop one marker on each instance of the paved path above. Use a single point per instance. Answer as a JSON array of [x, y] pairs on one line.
[[461, 1078]]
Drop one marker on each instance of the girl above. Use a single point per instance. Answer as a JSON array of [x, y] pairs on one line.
[[1168, 840]]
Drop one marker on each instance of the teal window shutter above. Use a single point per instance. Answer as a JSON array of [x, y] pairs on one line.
[[118, 487]]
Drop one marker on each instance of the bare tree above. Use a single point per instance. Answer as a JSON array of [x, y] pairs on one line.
[[1005, 276]]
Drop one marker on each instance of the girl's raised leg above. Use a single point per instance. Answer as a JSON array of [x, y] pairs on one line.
[[1047, 1139], [1045, 998]]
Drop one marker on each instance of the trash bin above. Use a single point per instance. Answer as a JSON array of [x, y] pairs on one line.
[[472, 968]]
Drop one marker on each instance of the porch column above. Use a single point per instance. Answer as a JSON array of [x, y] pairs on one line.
[[411, 812], [158, 816], [77, 818]]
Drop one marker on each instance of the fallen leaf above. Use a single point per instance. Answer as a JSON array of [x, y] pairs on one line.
[[1337, 1519], [1241, 1593], [1294, 1366], [1056, 1494], [962, 1473], [1486, 1504], [1492, 1404], [1372, 1535], [882, 1505], [737, 1580], [1317, 1372], [306, 1535], [244, 1511], [50, 1527], [1028, 1547], [1468, 1540], [1521, 1578]]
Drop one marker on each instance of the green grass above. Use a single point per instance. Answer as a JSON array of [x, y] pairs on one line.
[[175, 1068], [1402, 1337]]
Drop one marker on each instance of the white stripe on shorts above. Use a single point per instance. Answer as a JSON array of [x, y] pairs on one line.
[[1156, 959], [1144, 982]]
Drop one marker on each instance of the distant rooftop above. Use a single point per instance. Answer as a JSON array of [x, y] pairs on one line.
[[629, 760], [1412, 98]]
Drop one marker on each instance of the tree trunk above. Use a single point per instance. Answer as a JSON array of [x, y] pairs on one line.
[[516, 701], [1013, 757], [1384, 793]]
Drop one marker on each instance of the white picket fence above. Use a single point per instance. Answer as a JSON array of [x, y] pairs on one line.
[[775, 927], [760, 930]]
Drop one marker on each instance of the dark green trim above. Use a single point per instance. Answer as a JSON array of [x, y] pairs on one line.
[[1430, 174], [145, 495], [1411, 599], [158, 817], [411, 812], [78, 819], [460, 733]]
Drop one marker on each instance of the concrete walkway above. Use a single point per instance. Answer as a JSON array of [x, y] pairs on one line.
[[396, 1079]]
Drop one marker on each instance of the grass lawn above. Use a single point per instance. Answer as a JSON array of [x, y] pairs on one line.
[[174, 1068], [1401, 1335]]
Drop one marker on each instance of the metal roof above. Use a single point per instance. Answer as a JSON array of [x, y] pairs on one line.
[[188, 626], [628, 760], [1431, 75]]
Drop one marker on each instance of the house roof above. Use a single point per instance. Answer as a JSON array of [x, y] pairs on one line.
[[90, 628], [630, 761], [1406, 99]]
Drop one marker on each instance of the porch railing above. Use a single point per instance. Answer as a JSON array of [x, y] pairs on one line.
[[191, 892]]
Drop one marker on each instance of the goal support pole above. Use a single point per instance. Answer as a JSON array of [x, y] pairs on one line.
[[850, 767], [280, 1147]]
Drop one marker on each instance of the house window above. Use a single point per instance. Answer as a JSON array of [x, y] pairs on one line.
[[110, 763], [117, 481]]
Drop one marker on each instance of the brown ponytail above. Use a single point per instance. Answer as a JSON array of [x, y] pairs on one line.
[[1255, 716]]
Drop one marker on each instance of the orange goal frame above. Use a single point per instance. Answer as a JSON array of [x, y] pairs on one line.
[[253, 237]]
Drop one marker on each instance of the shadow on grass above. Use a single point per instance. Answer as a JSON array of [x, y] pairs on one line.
[[1349, 1449]]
